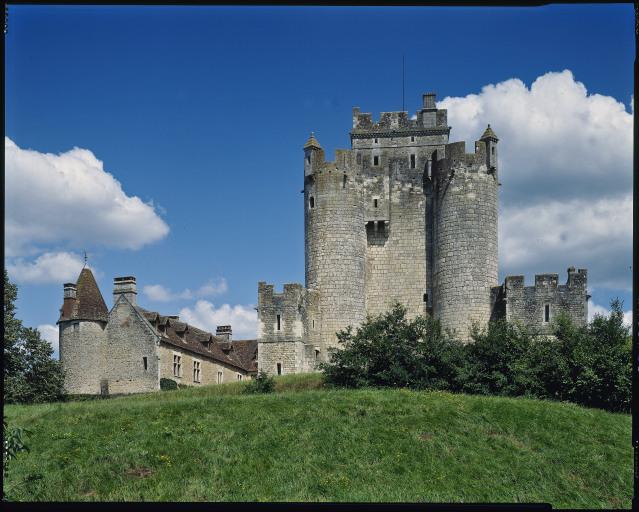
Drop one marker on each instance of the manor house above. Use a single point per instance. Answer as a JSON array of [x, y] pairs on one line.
[[129, 349], [403, 216]]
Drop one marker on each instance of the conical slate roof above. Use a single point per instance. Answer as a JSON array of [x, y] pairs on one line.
[[89, 303], [489, 134], [312, 142]]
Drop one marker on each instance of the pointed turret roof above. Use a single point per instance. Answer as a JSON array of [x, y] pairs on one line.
[[489, 134], [89, 303], [312, 142]]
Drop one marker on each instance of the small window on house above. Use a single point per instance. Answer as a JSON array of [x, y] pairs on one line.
[[375, 160], [412, 139], [313, 322], [425, 297], [76, 327], [344, 181], [492, 150], [374, 203], [177, 365], [239, 376], [220, 377], [279, 322], [279, 368], [547, 313], [376, 140], [308, 159], [144, 361], [412, 161], [316, 355], [311, 202], [196, 371]]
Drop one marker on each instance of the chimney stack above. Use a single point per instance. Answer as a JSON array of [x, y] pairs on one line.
[[224, 332], [429, 101], [125, 286]]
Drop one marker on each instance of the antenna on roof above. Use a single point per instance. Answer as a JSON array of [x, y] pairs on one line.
[[402, 82]]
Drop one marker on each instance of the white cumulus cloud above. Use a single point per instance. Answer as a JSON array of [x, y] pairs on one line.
[[50, 267], [565, 164], [50, 333], [159, 293], [242, 319], [70, 198]]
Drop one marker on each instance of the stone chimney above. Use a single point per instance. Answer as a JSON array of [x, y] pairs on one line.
[[125, 286], [224, 332], [70, 291], [429, 101]]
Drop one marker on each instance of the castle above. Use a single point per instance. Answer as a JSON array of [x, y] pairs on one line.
[[129, 349], [403, 216]]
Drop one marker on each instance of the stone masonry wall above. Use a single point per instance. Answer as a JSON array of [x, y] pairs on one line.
[[208, 369], [526, 304], [82, 345], [465, 235], [130, 339]]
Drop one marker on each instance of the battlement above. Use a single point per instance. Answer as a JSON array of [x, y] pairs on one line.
[[291, 294], [427, 121], [576, 278]]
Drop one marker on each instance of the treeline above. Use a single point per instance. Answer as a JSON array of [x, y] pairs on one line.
[[588, 365]]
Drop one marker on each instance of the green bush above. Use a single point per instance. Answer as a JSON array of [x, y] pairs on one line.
[[390, 351], [262, 383], [588, 365], [168, 384]]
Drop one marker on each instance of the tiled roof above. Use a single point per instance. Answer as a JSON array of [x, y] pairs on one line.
[[489, 134], [187, 337], [89, 303]]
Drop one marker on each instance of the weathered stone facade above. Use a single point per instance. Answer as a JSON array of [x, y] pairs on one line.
[[403, 216], [129, 349]]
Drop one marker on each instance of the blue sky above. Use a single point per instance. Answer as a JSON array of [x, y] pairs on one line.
[[201, 113]]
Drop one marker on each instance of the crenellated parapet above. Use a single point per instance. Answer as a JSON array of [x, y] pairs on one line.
[[538, 305]]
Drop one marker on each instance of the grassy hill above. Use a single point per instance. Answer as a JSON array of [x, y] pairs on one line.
[[305, 444]]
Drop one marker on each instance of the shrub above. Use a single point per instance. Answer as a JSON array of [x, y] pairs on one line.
[[262, 383], [168, 384], [388, 350], [12, 445]]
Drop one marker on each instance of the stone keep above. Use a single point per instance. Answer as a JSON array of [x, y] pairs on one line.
[[403, 216]]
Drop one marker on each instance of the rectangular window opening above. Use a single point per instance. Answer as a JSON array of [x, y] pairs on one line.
[[344, 181], [425, 297], [375, 203], [196, 371], [547, 313], [492, 150], [376, 140], [279, 368], [412, 161], [375, 160], [412, 139], [177, 365], [239, 376], [145, 363], [311, 202], [220, 377], [279, 323], [308, 159]]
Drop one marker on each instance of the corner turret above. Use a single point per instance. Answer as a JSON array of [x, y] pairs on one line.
[[490, 139], [313, 155]]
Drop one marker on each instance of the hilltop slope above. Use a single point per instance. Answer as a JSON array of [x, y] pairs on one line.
[[215, 444]]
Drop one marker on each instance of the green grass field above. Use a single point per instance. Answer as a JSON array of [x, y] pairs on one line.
[[308, 443]]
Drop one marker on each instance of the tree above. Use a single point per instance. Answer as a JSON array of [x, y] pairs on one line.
[[30, 373]]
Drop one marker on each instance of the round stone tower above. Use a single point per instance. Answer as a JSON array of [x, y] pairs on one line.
[[335, 242], [83, 317], [465, 234]]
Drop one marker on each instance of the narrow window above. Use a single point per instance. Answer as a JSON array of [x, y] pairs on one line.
[[374, 203], [316, 354], [239, 376], [376, 141], [547, 313], [311, 202], [196, 371], [313, 324], [425, 297], [220, 377], [412, 139], [344, 181], [76, 327], [308, 159], [412, 161], [177, 365], [279, 323], [492, 150], [145, 363], [279, 368], [375, 160]]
